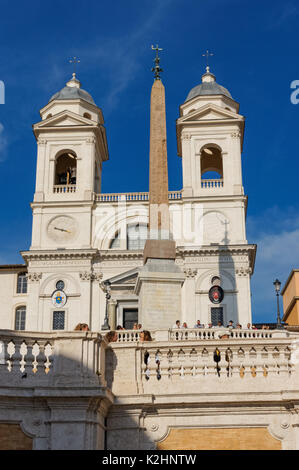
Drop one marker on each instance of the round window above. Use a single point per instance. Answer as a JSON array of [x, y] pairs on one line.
[[60, 285]]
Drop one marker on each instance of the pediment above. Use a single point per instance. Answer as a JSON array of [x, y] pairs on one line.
[[209, 112], [127, 278], [64, 119]]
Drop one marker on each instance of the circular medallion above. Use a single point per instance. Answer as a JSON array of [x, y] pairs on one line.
[[59, 298], [216, 294]]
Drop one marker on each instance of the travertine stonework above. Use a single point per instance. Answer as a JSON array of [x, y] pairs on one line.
[[13, 438], [220, 439]]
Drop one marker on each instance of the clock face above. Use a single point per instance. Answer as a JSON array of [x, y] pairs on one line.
[[62, 228]]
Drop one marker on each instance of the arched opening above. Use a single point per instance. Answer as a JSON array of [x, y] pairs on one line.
[[211, 163], [211, 166], [66, 169]]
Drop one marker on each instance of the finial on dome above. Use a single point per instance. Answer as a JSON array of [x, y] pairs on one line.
[[208, 76], [74, 82]]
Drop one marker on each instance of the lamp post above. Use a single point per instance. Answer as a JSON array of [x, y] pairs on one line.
[[107, 289], [277, 285]]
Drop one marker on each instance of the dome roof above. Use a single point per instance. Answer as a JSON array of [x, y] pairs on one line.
[[209, 86], [72, 91]]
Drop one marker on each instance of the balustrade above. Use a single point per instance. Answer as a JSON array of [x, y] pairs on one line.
[[216, 333], [212, 183], [131, 197], [26, 355], [77, 355], [64, 188], [199, 361]]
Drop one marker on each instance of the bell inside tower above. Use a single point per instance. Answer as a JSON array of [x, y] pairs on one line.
[[66, 169]]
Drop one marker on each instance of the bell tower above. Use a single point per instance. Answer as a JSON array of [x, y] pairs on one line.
[[210, 134], [72, 147], [209, 138]]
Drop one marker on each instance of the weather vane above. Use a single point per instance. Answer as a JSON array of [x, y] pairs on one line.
[[75, 61], [207, 55], [157, 69]]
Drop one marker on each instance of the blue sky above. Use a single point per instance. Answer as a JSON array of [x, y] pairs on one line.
[[255, 46]]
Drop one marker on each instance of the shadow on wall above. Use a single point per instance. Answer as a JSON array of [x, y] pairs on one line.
[[53, 393]]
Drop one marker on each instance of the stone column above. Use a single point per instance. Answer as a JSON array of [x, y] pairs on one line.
[[112, 314]]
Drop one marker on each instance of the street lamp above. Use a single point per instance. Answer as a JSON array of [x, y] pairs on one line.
[[277, 285], [107, 289]]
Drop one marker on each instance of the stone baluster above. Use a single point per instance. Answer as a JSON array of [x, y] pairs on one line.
[[29, 357], [9, 349], [23, 352], [41, 358], [17, 356], [259, 363]]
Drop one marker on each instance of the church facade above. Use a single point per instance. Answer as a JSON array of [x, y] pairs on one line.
[[82, 237], [92, 259]]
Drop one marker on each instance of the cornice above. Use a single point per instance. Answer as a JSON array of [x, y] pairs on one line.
[[46, 255], [113, 255], [230, 250], [184, 252], [65, 203], [212, 250]]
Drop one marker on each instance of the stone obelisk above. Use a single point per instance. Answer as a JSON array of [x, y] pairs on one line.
[[159, 282]]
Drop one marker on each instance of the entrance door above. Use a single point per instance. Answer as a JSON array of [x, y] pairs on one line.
[[216, 315], [130, 316]]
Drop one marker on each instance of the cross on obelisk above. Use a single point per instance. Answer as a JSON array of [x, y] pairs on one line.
[[157, 69], [75, 61], [207, 54]]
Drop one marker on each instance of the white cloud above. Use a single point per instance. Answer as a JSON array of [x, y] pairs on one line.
[[277, 237], [282, 15]]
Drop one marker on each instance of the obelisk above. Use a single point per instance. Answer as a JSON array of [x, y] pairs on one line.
[[159, 282]]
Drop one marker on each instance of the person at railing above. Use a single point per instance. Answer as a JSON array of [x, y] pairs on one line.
[[184, 325], [219, 325], [230, 325], [239, 326], [139, 326], [135, 326], [119, 327], [145, 336], [111, 336], [82, 327], [177, 324], [198, 325], [210, 325]]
